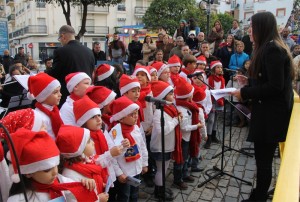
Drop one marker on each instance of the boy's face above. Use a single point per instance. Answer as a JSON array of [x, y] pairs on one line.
[[142, 77], [133, 94], [54, 98], [200, 66], [154, 76], [130, 119], [81, 87], [45, 176], [170, 97], [191, 66], [175, 69], [165, 75], [94, 123], [89, 148]]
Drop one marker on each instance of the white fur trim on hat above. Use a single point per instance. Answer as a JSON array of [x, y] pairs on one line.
[[153, 70], [217, 63], [40, 165], [85, 139], [37, 122], [87, 115], [142, 70], [76, 79], [161, 69], [129, 109], [129, 86], [201, 62], [177, 64], [165, 92], [47, 91], [106, 74], [109, 98], [187, 95]]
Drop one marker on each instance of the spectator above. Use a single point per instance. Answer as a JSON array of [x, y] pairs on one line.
[[201, 39], [21, 56], [148, 48], [216, 35], [295, 50], [159, 40], [192, 42], [181, 31], [2, 74], [7, 60], [135, 52], [48, 64], [158, 57], [166, 46], [72, 57], [116, 50], [205, 52], [285, 35], [31, 64], [192, 26], [98, 53], [185, 50], [177, 50], [248, 45], [239, 57], [235, 30]]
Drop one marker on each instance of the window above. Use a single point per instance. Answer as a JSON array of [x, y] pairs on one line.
[[248, 15], [41, 21], [40, 4], [280, 12], [121, 6], [121, 22]]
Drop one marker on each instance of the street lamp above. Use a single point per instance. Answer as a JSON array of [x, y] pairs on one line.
[[205, 5]]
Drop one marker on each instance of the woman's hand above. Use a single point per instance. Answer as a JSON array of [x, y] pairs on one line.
[[237, 94], [122, 178]]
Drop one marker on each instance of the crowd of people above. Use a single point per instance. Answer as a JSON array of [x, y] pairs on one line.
[[67, 145]]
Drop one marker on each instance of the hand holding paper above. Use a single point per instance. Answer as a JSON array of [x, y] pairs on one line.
[[220, 93], [116, 134]]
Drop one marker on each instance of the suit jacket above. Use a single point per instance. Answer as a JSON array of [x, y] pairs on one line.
[[73, 57], [272, 97]]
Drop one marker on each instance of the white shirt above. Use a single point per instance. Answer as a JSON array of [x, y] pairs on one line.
[[148, 114], [186, 123], [67, 113], [183, 75], [46, 120], [206, 102]]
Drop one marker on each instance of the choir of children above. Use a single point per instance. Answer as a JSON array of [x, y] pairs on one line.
[[93, 167]]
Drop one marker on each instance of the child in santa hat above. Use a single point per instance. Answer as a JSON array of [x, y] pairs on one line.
[[77, 83], [215, 81], [38, 158], [190, 125], [135, 160], [173, 136], [103, 97], [189, 62], [174, 63], [77, 149], [153, 73], [163, 71], [201, 65], [46, 90]]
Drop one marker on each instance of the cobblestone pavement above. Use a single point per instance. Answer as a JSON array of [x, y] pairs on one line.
[[221, 188]]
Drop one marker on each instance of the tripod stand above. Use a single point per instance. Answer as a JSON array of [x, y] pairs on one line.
[[220, 171]]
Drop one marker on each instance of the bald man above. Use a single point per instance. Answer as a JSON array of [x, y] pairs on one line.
[[7, 60]]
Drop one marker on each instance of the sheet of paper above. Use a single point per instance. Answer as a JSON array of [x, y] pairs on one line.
[[220, 93], [23, 80], [116, 134], [133, 181], [108, 184]]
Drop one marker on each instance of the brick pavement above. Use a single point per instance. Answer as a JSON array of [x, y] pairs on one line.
[[224, 188]]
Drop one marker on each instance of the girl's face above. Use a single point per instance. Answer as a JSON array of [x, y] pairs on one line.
[[89, 148], [81, 87], [165, 75], [200, 66], [143, 79], [130, 119], [229, 40], [154, 76], [170, 97], [250, 32], [54, 98], [247, 64], [94, 123], [45, 176], [133, 94], [148, 39], [218, 70], [197, 81], [175, 69], [217, 25]]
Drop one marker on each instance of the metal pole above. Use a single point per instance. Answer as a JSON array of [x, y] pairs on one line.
[[207, 18]]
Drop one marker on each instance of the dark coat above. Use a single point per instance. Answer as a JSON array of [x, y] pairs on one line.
[[99, 56], [272, 97], [135, 52], [73, 57]]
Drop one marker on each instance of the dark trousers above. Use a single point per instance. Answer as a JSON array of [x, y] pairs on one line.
[[180, 171], [264, 153]]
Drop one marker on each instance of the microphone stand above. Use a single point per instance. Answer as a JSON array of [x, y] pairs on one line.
[[8, 138]]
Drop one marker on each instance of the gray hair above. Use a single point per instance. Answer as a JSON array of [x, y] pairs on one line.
[[66, 29], [179, 38]]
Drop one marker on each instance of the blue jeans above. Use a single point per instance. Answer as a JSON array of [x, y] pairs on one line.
[[118, 60], [181, 170], [126, 193]]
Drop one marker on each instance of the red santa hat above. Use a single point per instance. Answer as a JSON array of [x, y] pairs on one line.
[[122, 107], [174, 61], [75, 78], [144, 69], [84, 109], [71, 140], [103, 71], [160, 89], [40, 86], [100, 95], [201, 60], [215, 63], [152, 69], [160, 67], [128, 82], [23, 118], [184, 90], [36, 151]]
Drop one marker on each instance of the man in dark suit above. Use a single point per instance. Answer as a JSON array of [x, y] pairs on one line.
[[72, 57]]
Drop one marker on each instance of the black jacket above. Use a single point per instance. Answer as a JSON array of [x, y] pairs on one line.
[[99, 56], [272, 97], [135, 52], [73, 57]]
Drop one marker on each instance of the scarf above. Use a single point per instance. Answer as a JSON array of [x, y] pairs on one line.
[[234, 31], [177, 153], [76, 188], [74, 97], [174, 77], [91, 171], [54, 116], [141, 114], [132, 153], [106, 118], [195, 134], [144, 92], [184, 70], [211, 81]]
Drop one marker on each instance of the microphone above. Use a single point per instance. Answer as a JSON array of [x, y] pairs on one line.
[[229, 70], [194, 74], [152, 99]]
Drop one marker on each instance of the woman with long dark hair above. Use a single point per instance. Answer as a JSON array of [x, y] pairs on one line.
[[270, 89]]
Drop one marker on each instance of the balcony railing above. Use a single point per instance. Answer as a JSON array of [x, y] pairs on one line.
[[140, 10], [29, 30], [96, 29], [248, 6], [97, 9], [11, 17]]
